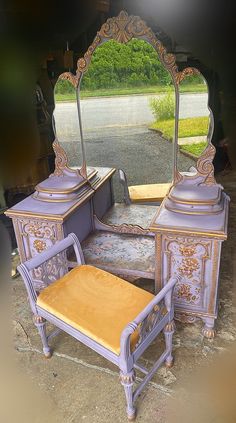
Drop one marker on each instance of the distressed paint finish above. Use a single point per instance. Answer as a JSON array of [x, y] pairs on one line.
[[196, 258], [155, 318]]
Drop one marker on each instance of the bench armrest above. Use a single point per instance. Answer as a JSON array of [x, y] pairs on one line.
[[166, 295]]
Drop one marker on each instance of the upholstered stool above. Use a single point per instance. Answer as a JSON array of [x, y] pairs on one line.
[[113, 317]]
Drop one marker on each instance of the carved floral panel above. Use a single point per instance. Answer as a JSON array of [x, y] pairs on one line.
[[187, 257], [35, 236]]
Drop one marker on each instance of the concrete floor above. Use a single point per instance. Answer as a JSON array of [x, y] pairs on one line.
[[83, 387]]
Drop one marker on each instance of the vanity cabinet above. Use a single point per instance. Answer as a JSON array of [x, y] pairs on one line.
[[190, 245], [181, 237]]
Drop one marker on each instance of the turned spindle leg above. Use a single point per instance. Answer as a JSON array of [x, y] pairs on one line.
[[168, 332], [127, 380], [40, 323]]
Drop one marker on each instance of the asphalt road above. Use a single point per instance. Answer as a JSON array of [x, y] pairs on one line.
[[116, 111], [116, 134]]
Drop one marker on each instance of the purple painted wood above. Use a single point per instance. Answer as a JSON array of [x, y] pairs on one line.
[[150, 322]]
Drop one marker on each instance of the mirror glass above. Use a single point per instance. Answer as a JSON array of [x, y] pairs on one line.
[[127, 101], [194, 120], [66, 122]]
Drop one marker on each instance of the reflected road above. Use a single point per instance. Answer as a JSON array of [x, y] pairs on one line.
[[119, 111]]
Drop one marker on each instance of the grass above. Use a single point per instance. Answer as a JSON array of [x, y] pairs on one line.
[[188, 88], [190, 127], [195, 149]]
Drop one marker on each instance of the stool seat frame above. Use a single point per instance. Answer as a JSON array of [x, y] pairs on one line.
[[150, 322]]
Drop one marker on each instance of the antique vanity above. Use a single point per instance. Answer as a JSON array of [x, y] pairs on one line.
[[182, 236]]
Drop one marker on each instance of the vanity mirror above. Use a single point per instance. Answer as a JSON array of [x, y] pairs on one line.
[[128, 87], [66, 123], [195, 118]]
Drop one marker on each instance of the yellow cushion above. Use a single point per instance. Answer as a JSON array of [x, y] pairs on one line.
[[149, 192], [96, 303]]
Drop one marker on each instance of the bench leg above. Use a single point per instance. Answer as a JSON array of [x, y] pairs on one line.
[[40, 323], [127, 380], [168, 332]]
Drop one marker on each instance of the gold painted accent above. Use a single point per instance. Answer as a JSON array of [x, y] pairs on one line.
[[214, 275], [182, 231], [187, 72], [158, 263], [183, 292], [124, 228], [47, 216], [184, 317], [187, 250], [127, 379], [197, 314], [209, 333], [188, 266], [39, 245], [196, 203], [59, 191], [170, 327], [38, 319], [193, 213], [205, 166]]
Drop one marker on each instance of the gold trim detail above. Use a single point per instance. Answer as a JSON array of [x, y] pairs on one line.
[[187, 250], [188, 266], [214, 276], [39, 245], [124, 228], [205, 166]]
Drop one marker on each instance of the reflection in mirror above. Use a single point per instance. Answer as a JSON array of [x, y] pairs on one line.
[[126, 96], [194, 119], [66, 122]]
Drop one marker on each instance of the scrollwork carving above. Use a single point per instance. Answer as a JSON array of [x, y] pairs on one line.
[[205, 166], [185, 317], [153, 318], [50, 271], [61, 159]]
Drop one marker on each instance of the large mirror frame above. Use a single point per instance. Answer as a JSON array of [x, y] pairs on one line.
[[122, 29]]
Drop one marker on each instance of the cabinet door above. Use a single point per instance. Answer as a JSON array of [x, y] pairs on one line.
[[192, 258]]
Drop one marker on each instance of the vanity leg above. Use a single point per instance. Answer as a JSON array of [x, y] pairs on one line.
[[208, 330]]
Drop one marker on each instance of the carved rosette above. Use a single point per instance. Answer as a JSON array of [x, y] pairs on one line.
[[39, 245]]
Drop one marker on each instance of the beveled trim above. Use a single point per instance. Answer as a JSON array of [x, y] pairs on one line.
[[195, 203], [60, 191], [51, 216]]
